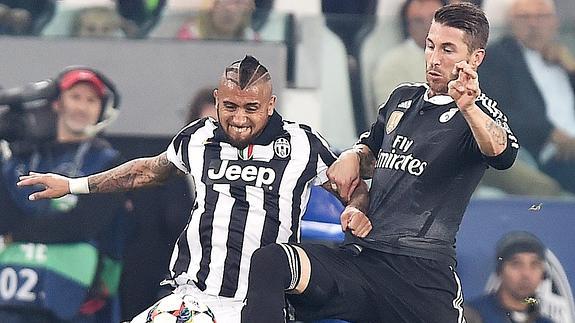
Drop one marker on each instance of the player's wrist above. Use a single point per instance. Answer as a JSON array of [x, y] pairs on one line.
[[78, 185]]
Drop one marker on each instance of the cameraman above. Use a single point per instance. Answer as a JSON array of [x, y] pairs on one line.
[[61, 259]]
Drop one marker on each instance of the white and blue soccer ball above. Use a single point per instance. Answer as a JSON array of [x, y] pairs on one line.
[[180, 309]]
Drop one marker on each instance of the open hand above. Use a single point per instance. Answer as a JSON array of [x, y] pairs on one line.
[[54, 185]]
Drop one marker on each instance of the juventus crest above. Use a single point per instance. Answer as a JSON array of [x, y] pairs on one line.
[[282, 147]]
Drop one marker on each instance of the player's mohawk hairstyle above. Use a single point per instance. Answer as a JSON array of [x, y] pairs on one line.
[[247, 72]]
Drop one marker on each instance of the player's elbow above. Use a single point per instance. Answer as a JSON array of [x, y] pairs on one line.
[[504, 159]]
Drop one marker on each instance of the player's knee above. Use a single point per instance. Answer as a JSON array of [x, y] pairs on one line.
[[272, 262]]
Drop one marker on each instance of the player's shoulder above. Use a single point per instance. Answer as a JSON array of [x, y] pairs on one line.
[[404, 91], [297, 128], [199, 126], [302, 131], [409, 88]]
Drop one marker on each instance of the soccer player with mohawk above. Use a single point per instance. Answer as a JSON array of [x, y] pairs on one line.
[[253, 173]]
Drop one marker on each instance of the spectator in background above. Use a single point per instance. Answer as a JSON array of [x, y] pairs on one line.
[[202, 105], [25, 17], [520, 258], [224, 20], [406, 62], [66, 253], [532, 75], [96, 22], [139, 16]]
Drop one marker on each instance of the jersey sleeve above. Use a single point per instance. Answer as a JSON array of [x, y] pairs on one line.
[[507, 157], [177, 151], [325, 156], [374, 137]]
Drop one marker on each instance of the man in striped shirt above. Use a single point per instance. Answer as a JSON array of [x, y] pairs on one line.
[[253, 172]]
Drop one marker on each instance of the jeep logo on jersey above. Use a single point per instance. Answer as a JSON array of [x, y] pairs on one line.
[[393, 121], [250, 174], [282, 147]]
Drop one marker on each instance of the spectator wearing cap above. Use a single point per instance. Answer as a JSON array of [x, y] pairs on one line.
[[66, 253], [520, 259]]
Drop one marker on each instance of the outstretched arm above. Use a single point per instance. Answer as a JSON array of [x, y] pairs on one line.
[[137, 173]]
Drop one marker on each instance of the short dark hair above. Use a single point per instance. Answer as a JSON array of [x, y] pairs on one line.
[[203, 96], [469, 18], [247, 72], [515, 242]]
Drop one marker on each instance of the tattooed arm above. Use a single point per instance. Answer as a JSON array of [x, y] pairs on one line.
[[491, 138], [133, 174], [464, 89], [346, 172]]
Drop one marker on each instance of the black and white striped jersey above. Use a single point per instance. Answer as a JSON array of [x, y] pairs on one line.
[[245, 198]]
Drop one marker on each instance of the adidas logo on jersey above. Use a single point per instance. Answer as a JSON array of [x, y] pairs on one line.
[[405, 104], [259, 176]]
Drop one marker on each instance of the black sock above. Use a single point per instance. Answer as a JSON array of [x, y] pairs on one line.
[[270, 275]]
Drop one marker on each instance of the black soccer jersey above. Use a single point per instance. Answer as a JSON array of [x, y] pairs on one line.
[[246, 198], [427, 166]]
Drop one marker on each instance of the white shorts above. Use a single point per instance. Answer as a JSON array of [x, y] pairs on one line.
[[225, 309]]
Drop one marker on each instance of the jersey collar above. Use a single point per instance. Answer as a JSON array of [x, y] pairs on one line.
[[437, 99]]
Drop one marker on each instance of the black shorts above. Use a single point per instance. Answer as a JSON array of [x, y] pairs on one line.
[[378, 287]]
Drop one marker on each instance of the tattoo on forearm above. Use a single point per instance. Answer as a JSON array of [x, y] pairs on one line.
[[360, 198], [496, 132], [366, 162], [133, 174]]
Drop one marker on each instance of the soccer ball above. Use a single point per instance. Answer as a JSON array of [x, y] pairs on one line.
[[180, 309]]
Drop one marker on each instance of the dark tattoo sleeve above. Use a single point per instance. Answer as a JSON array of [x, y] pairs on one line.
[[360, 198], [366, 161], [134, 174]]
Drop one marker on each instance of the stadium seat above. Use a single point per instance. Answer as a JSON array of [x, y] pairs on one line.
[[321, 219]]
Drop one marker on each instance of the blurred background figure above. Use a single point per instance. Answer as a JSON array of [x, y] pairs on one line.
[[96, 22], [25, 17], [520, 259], [223, 20], [202, 105], [66, 254], [139, 16], [531, 75]]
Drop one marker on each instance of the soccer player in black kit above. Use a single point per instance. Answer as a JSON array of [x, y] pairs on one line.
[[426, 153]]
